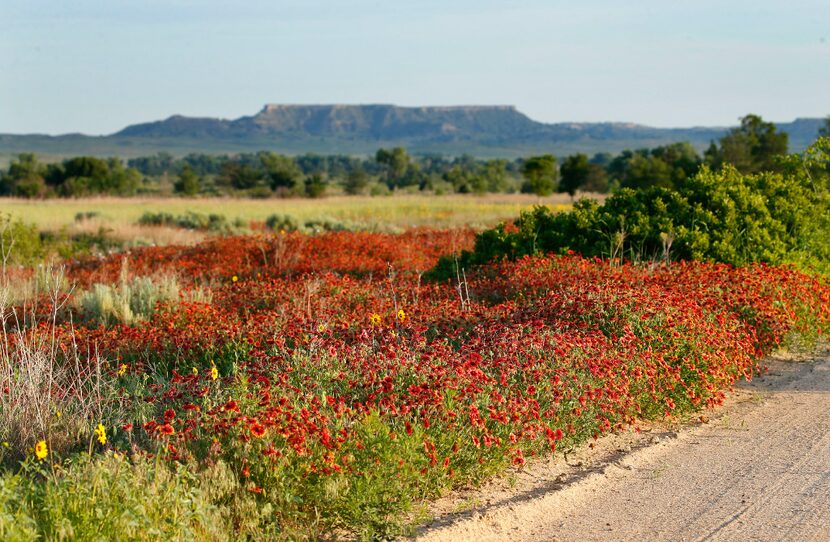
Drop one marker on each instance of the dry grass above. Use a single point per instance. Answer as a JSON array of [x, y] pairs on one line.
[[49, 393], [132, 234]]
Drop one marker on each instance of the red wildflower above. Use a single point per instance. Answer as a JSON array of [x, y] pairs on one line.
[[257, 430], [166, 429]]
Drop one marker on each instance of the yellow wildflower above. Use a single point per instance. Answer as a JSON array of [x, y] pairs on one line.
[[214, 373], [375, 320], [195, 371], [401, 316], [234, 278], [321, 328], [101, 432], [122, 370], [41, 450], [58, 413]]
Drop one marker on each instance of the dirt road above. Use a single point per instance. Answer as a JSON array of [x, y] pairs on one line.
[[758, 470]]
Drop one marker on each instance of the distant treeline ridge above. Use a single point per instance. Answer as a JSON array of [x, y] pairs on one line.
[[754, 146]]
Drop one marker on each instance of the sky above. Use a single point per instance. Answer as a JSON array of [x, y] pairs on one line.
[[96, 66]]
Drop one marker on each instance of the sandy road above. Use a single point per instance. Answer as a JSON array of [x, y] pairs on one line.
[[759, 470]]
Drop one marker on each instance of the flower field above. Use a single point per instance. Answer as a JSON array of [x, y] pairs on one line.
[[319, 387]]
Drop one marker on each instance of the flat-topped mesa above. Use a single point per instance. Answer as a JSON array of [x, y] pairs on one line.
[[274, 107], [497, 130], [387, 122]]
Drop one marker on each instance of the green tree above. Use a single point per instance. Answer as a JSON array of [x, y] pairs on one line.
[[188, 182], [575, 170], [644, 170], [25, 177], [356, 181], [119, 180], [465, 180], [396, 162], [495, 175], [541, 175], [597, 180], [752, 147], [315, 186], [240, 176], [282, 171], [87, 167], [682, 159]]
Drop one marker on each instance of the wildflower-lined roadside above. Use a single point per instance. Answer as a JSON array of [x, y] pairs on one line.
[[330, 392]]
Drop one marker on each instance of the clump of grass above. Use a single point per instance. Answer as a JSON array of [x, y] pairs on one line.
[[121, 499], [127, 302], [132, 300]]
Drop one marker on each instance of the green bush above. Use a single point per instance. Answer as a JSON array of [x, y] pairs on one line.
[[21, 243], [86, 215], [721, 216], [281, 223], [287, 223], [324, 225], [74, 245], [150, 218], [191, 221]]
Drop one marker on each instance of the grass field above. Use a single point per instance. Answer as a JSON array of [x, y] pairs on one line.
[[390, 213]]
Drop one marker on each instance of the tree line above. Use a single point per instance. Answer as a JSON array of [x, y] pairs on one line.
[[755, 145]]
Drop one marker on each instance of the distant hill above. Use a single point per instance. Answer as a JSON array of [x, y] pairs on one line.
[[362, 129]]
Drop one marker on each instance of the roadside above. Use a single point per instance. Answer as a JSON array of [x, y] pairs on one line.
[[757, 468]]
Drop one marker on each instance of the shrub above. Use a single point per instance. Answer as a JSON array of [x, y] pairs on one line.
[[287, 223], [20, 243], [86, 215], [721, 216], [191, 221], [150, 218], [74, 245], [324, 225], [281, 223]]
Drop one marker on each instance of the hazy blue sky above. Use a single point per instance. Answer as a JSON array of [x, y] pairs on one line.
[[94, 66]]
